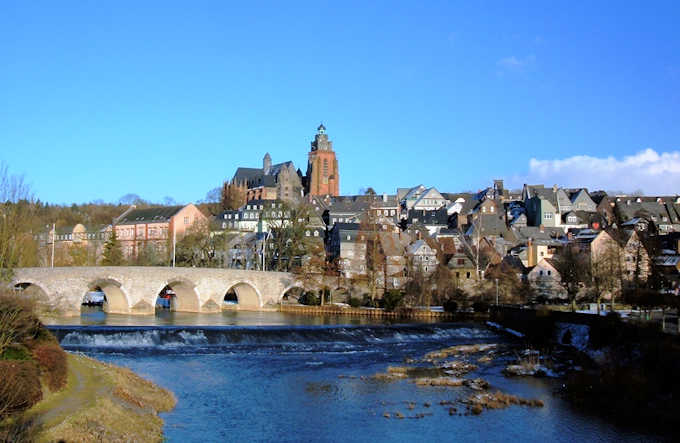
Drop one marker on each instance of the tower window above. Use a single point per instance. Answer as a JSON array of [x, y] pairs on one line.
[[325, 167]]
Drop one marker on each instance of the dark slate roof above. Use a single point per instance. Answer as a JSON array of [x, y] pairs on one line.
[[149, 215], [545, 193], [437, 217], [630, 208], [277, 167], [347, 226], [248, 174], [598, 196], [538, 234], [351, 206], [492, 225]]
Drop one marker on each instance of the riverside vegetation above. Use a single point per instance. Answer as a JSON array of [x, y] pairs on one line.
[[49, 395]]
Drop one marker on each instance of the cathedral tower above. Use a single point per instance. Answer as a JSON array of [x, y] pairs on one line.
[[323, 177]]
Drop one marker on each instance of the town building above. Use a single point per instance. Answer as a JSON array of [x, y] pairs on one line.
[[152, 229]]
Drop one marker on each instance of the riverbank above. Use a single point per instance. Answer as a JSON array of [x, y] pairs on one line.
[[101, 402], [619, 370]]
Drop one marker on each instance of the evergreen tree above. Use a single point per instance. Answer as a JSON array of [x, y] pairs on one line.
[[113, 254]]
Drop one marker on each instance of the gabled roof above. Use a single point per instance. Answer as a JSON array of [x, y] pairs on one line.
[[430, 193], [149, 215], [419, 246], [541, 191]]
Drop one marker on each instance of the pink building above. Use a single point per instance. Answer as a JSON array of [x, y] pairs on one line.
[[153, 228]]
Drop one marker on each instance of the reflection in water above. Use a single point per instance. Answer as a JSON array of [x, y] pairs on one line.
[[164, 317]]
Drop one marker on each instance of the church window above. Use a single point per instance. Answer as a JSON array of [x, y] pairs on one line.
[[316, 233], [325, 167]]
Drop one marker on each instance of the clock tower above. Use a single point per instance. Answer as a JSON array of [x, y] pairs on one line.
[[323, 177]]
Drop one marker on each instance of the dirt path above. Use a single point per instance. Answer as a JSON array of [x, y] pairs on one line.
[[84, 386]]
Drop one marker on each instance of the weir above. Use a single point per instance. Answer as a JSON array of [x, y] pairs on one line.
[[135, 289]]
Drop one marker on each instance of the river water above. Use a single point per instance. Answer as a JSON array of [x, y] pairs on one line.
[[273, 377]]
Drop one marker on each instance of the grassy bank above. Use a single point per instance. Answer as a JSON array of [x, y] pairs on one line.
[[101, 402]]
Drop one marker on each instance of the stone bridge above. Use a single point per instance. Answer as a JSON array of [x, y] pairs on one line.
[[134, 289]]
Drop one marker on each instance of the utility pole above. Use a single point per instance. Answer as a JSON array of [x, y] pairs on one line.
[[54, 232], [496, 292]]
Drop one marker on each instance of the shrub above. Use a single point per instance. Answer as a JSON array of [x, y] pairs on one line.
[[16, 352], [354, 302], [18, 324], [52, 361], [480, 306], [450, 306], [366, 301], [392, 299], [20, 388]]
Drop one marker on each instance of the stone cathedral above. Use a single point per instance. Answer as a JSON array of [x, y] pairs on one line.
[[282, 181], [323, 176]]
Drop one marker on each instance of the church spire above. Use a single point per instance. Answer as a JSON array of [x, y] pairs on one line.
[[266, 164]]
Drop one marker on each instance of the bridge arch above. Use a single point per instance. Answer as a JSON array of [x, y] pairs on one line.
[[296, 285], [186, 295], [117, 300], [32, 289], [247, 294]]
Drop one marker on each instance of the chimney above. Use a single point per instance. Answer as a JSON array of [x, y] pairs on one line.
[[531, 253]]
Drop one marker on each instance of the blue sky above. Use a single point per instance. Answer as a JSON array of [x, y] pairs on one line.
[[101, 99]]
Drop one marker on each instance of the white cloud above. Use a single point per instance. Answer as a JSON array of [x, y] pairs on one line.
[[513, 63], [654, 173]]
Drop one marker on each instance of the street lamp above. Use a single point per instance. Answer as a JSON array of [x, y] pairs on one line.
[[264, 249]]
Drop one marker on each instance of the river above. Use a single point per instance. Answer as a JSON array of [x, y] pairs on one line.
[[275, 377]]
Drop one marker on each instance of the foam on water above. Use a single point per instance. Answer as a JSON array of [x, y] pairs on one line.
[[299, 338]]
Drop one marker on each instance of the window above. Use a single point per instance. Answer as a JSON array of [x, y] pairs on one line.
[[392, 212], [549, 272], [325, 167], [348, 237], [316, 233], [186, 220], [540, 272], [461, 261], [224, 225], [548, 216], [467, 275], [307, 233]]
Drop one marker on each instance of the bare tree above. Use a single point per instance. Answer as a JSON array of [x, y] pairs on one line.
[[16, 218], [574, 270]]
